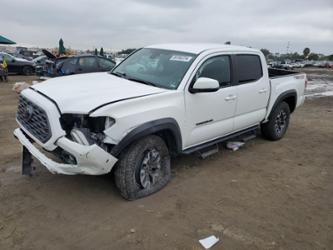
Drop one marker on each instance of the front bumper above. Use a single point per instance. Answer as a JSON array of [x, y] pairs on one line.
[[91, 160]]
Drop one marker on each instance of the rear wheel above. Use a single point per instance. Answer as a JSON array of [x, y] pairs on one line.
[[278, 122], [144, 168]]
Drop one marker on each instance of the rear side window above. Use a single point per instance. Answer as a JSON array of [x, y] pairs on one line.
[[217, 68], [248, 68], [88, 64]]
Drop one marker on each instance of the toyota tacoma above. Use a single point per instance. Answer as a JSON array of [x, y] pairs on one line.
[[161, 101]]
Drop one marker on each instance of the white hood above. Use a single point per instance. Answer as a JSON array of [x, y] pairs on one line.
[[82, 93]]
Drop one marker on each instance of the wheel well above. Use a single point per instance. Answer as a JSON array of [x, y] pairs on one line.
[[166, 128], [291, 101], [170, 140]]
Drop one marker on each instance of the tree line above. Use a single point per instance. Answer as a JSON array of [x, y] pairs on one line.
[[307, 55]]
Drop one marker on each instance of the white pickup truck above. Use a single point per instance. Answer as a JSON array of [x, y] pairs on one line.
[[161, 101]]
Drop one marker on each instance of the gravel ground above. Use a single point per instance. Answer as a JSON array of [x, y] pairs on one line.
[[267, 195]]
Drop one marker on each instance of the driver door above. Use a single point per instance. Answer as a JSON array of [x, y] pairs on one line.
[[210, 115]]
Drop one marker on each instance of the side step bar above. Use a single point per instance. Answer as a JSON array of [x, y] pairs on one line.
[[244, 135], [209, 151]]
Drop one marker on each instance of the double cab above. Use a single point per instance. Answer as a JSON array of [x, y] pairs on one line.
[[161, 101]]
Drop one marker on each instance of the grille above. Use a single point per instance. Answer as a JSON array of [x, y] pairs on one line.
[[34, 119]]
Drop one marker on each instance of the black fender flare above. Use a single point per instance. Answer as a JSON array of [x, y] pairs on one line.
[[282, 96], [151, 127]]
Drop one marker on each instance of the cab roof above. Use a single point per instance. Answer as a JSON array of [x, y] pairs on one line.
[[197, 48]]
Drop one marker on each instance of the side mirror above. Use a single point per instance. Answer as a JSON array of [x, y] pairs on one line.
[[13, 60], [204, 84]]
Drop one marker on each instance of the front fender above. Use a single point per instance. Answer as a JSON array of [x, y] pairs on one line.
[[148, 128]]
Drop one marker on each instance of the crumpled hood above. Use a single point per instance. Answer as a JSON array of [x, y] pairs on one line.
[[85, 92]]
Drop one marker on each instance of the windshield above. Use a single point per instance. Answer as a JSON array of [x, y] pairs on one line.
[[157, 67]]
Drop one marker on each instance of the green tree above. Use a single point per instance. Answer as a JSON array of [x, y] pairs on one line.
[[330, 57], [266, 52], [61, 49], [306, 52], [96, 52], [101, 52], [313, 56]]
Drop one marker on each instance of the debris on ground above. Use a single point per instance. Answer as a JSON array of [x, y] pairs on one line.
[[209, 241], [234, 145], [19, 86], [132, 230]]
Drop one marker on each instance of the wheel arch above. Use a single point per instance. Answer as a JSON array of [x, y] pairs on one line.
[[167, 128], [290, 97]]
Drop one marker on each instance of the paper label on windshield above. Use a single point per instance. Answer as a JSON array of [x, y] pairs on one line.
[[181, 58]]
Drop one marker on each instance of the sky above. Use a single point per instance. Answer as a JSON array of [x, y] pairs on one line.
[[118, 24]]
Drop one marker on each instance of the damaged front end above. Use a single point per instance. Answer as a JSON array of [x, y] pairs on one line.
[[79, 144], [84, 130]]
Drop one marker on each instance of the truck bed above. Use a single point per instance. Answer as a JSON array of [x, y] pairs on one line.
[[274, 73]]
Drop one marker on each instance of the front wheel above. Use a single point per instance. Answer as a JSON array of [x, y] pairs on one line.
[[278, 122], [144, 168], [27, 70]]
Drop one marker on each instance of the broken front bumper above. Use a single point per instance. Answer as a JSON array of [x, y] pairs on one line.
[[91, 160]]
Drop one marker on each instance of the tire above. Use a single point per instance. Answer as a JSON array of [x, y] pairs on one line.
[[27, 70], [278, 122], [144, 168]]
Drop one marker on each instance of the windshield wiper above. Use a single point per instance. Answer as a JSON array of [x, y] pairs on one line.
[[123, 75], [119, 74], [142, 81]]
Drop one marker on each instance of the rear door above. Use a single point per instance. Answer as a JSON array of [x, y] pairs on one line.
[[252, 90]]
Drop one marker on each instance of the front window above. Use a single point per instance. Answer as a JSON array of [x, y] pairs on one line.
[[157, 67], [217, 68]]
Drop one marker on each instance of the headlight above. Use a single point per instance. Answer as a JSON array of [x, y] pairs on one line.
[[94, 124]]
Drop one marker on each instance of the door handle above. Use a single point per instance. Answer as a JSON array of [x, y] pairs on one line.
[[230, 98], [262, 91]]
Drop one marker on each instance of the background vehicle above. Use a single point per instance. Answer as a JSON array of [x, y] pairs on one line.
[[17, 65], [72, 65], [162, 100]]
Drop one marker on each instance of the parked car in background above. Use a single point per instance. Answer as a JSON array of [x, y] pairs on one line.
[[17, 65], [77, 65], [85, 64]]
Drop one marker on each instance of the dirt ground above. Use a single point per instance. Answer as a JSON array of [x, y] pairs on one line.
[[267, 195]]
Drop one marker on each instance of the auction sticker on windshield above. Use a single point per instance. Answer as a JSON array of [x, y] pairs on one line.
[[180, 58]]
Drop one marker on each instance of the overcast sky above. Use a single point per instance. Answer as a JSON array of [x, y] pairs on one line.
[[135, 23]]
